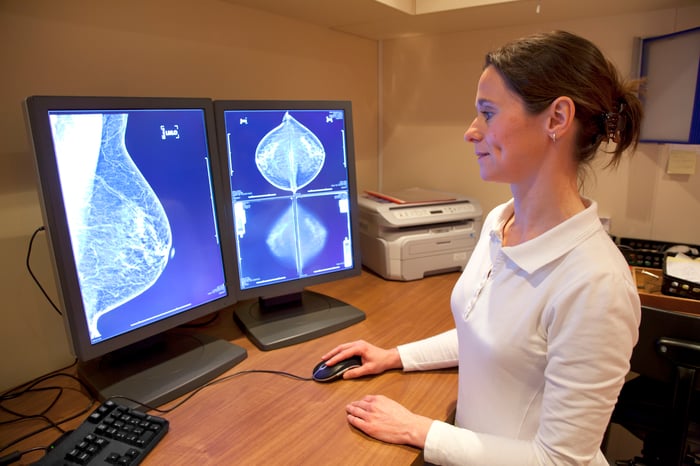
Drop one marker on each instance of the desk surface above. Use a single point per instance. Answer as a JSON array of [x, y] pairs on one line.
[[270, 419], [649, 287]]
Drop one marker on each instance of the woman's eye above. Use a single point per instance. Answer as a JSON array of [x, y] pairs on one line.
[[487, 115]]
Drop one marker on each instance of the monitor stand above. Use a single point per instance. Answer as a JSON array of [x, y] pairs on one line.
[[160, 369], [293, 319]]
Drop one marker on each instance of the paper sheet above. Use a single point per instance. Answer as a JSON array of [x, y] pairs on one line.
[[683, 267], [682, 161]]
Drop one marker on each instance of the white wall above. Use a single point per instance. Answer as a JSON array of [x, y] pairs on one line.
[[429, 85]]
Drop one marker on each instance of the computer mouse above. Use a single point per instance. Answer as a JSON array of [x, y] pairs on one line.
[[323, 373]]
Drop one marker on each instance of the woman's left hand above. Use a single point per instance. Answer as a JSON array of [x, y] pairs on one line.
[[386, 420]]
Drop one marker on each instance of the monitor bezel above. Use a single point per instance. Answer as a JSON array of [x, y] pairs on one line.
[[37, 110]]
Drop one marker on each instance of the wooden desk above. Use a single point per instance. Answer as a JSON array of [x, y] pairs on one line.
[[649, 287], [269, 419]]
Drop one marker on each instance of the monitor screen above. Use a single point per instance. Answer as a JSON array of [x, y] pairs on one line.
[[294, 206], [130, 191]]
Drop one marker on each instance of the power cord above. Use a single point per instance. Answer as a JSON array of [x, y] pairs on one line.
[[31, 387], [29, 268], [17, 455]]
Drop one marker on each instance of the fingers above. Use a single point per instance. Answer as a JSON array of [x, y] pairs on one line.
[[357, 421], [355, 373], [361, 408], [344, 351], [338, 349]]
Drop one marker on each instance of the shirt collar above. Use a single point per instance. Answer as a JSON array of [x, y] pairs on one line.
[[554, 243]]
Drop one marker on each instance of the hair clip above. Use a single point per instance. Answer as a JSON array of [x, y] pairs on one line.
[[611, 122]]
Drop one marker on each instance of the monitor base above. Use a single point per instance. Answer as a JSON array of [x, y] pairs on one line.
[[171, 365], [294, 321]]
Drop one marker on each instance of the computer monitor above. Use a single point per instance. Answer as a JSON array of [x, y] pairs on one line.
[[131, 190], [294, 206]]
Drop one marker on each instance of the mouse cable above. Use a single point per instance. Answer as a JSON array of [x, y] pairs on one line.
[[29, 268], [213, 382]]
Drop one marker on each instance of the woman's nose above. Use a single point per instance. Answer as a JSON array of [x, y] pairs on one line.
[[472, 134]]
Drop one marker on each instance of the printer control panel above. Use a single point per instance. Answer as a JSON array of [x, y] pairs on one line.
[[430, 214], [385, 214], [415, 212]]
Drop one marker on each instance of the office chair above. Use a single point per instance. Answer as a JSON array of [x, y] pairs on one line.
[[661, 406]]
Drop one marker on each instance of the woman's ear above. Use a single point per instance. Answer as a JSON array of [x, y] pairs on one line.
[[561, 116]]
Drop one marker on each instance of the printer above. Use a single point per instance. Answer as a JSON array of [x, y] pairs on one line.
[[411, 240]]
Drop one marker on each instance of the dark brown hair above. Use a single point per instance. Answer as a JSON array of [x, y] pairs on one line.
[[544, 66]]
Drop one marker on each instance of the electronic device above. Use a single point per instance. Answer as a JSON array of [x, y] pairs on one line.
[[112, 434], [131, 191], [409, 241], [650, 253], [294, 207], [323, 373]]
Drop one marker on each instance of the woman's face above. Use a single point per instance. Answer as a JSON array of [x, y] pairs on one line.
[[509, 142]]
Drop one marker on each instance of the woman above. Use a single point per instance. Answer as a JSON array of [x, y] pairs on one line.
[[546, 310]]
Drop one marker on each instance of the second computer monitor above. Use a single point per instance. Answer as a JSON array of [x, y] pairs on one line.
[[294, 207]]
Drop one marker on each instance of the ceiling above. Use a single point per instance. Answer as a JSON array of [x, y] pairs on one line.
[[387, 19]]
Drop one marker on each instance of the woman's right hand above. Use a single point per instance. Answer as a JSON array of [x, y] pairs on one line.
[[375, 360]]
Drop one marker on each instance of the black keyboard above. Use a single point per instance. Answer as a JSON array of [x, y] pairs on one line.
[[112, 435]]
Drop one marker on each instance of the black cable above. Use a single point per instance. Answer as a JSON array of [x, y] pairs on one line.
[[33, 417], [17, 455], [30, 387], [29, 268], [209, 384], [52, 425], [11, 458], [59, 391], [13, 392]]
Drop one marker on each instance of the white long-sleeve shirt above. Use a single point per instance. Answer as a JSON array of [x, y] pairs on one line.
[[543, 338]]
